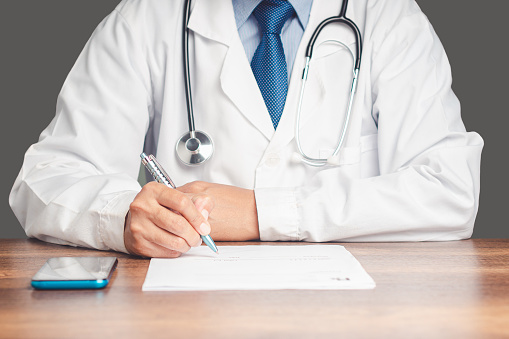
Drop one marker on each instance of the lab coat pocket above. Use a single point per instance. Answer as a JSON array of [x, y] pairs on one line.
[[346, 155], [366, 153]]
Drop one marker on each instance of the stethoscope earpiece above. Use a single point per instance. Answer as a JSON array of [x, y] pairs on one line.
[[194, 148], [333, 160], [296, 158]]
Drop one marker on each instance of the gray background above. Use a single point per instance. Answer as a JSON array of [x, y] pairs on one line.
[[41, 39]]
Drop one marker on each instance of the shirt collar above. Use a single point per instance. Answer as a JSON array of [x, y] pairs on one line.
[[244, 8]]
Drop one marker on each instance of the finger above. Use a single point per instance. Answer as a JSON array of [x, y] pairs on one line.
[[181, 203], [152, 250], [171, 223], [137, 241], [147, 219], [146, 214], [159, 251], [172, 240]]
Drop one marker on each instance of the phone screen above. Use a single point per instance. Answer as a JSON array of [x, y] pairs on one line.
[[57, 271]]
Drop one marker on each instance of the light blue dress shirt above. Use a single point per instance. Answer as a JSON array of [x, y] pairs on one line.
[[291, 34]]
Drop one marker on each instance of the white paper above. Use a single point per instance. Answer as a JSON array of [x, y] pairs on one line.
[[259, 267]]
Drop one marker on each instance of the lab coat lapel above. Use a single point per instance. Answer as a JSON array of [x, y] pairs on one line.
[[239, 83], [315, 89], [215, 21]]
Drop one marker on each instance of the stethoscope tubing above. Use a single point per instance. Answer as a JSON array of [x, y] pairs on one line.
[[187, 73], [342, 19]]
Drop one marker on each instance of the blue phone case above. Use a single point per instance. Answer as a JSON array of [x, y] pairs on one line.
[[69, 284], [101, 267]]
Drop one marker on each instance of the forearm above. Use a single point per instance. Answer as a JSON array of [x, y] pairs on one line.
[[73, 208]]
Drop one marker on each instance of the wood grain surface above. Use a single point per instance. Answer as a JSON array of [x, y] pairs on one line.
[[424, 290]]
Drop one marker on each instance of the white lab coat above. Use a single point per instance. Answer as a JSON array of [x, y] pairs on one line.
[[408, 170]]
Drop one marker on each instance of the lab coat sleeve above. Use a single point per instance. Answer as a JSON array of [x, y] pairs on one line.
[[77, 181], [428, 187]]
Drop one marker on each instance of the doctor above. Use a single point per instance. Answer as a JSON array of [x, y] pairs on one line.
[[407, 169]]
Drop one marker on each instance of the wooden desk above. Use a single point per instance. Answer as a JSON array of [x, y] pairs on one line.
[[424, 290]]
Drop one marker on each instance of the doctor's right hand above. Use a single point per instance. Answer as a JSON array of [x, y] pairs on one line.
[[164, 223]]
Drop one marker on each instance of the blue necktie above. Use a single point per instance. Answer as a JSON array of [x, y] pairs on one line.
[[269, 63]]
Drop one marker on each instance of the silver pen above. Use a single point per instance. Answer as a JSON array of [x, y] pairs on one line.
[[152, 165]]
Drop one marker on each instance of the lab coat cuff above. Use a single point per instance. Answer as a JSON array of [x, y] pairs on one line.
[[112, 219], [278, 215]]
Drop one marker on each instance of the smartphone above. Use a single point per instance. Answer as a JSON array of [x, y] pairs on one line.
[[75, 273]]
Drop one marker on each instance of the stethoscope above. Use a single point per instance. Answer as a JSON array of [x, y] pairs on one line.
[[195, 147]]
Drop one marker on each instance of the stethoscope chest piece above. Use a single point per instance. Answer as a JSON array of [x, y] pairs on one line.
[[194, 148]]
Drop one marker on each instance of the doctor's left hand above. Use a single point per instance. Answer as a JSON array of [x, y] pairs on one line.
[[234, 216]]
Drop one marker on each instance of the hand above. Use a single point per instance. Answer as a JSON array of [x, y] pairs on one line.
[[163, 222], [234, 217]]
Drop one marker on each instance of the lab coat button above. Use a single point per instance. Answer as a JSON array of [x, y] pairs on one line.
[[272, 160]]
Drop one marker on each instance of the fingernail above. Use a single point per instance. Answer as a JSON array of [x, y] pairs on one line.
[[205, 229], [205, 214]]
